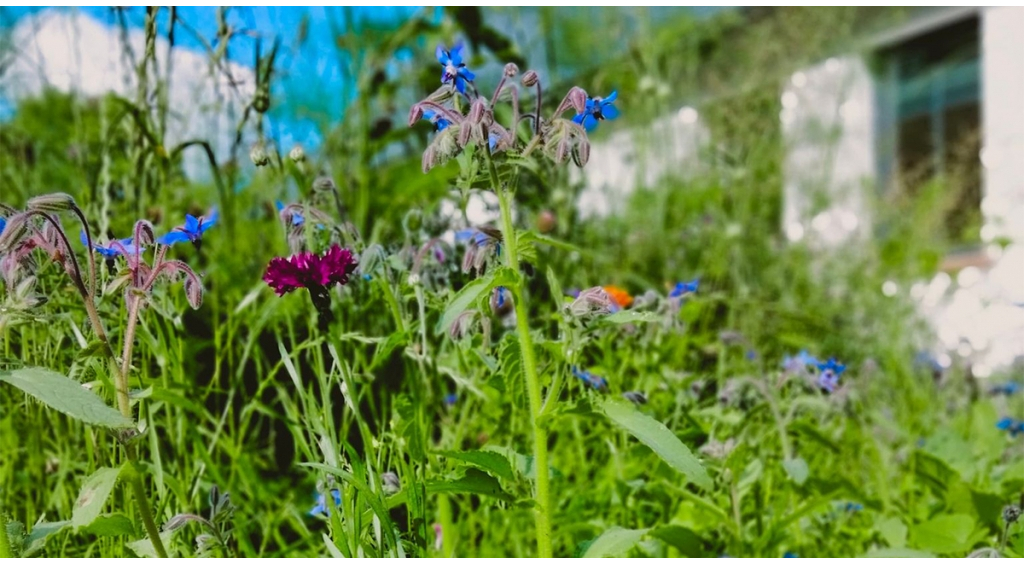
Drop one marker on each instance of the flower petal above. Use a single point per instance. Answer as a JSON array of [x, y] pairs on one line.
[[442, 55], [611, 97], [191, 223], [609, 111], [172, 238]]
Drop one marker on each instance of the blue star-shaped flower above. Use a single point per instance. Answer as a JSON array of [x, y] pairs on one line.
[[297, 218], [454, 70], [597, 109], [192, 231], [831, 365], [1008, 424], [440, 123], [3, 224], [321, 503], [111, 250], [450, 399], [594, 381], [683, 288]]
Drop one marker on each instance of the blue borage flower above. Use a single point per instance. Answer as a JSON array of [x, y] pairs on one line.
[[113, 249], [790, 555], [828, 378], [440, 123], [192, 231], [597, 109], [798, 362], [1007, 389], [453, 69], [450, 399], [684, 288], [851, 506], [1009, 424], [3, 224], [297, 218], [594, 381], [321, 503]]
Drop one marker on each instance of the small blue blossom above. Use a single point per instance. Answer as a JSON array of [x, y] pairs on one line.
[[799, 362], [597, 109], [852, 507], [450, 399], [453, 69], [828, 379], [3, 224], [684, 288], [1007, 389], [111, 250], [440, 123], [790, 555], [192, 231], [1009, 424], [297, 218], [594, 381], [321, 503]]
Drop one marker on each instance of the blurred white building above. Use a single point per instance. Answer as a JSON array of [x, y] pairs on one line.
[[948, 82], [72, 52]]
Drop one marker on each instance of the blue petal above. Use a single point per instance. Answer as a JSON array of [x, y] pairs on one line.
[[441, 124], [441, 54], [589, 122], [456, 53], [3, 224], [427, 115], [467, 74], [280, 205], [578, 118], [609, 111], [208, 223], [460, 84], [611, 97], [81, 237], [172, 238], [191, 223]]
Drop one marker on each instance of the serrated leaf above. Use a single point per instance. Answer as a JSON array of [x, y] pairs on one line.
[[659, 438], [110, 525], [616, 541], [626, 316], [489, 461], [796, 469], [93, 496], [36, 540], [66, 396], [470, 293]]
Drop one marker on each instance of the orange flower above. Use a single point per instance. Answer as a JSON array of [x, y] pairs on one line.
[[619, 296]]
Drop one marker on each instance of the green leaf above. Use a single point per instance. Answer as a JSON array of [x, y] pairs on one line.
[[893, 531], [66, 396], [897, 553], [383, 351], [143, 547], [685, 540], [470, 293], [489, 461], [474, 481], [93, 496], [944, 534], [626, 316], [616, 541], [659, 438], [111, 525], [797, 469], [36, 540]]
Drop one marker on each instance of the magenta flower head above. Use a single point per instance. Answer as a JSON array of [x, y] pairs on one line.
[[314, 272]]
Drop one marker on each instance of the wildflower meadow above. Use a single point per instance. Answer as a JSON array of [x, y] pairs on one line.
[[405, 339]]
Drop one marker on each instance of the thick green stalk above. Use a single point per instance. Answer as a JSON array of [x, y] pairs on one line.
[[542, 494]]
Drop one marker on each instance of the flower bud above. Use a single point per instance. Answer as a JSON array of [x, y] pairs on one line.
[[390, 483], [14, 232], [297, 154], [581, 152], [415, 114], [531, 78], [578, 98], [546, 221], [56, 202], [258, 155], [592, 301], [511, 69], [324, 184], [501, 301]]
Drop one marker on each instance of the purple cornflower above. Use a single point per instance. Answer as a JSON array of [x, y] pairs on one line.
[[321, 503], [309, 270], [594, 381], [453, 69], [684, 288], [192, 231], [440, 123], [597, 109]]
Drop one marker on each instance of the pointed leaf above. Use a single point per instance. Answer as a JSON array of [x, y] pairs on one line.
[[93, 496], [659, 438], [111, 525], [470, 293], [616, 541], [491, 462], [66, 396], [36, 540]]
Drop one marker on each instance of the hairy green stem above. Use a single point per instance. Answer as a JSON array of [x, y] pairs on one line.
[[5, 543], [542, 494], [139, 491]]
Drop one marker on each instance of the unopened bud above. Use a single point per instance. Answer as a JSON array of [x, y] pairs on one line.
[[415, 114], [297, 154], [511, 69], [56, 202], [501, 301], [546, 221], [258, 155], [390, 483], [1011, 513], [531, 78], [578, 99], [581, 152]]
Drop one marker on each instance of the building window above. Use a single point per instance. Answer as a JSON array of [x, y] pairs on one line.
[[930, 122]]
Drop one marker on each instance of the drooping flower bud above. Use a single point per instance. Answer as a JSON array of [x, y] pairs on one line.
[[56, 202], [258, 155], [511, 69], [297, 154], [531, 78]]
